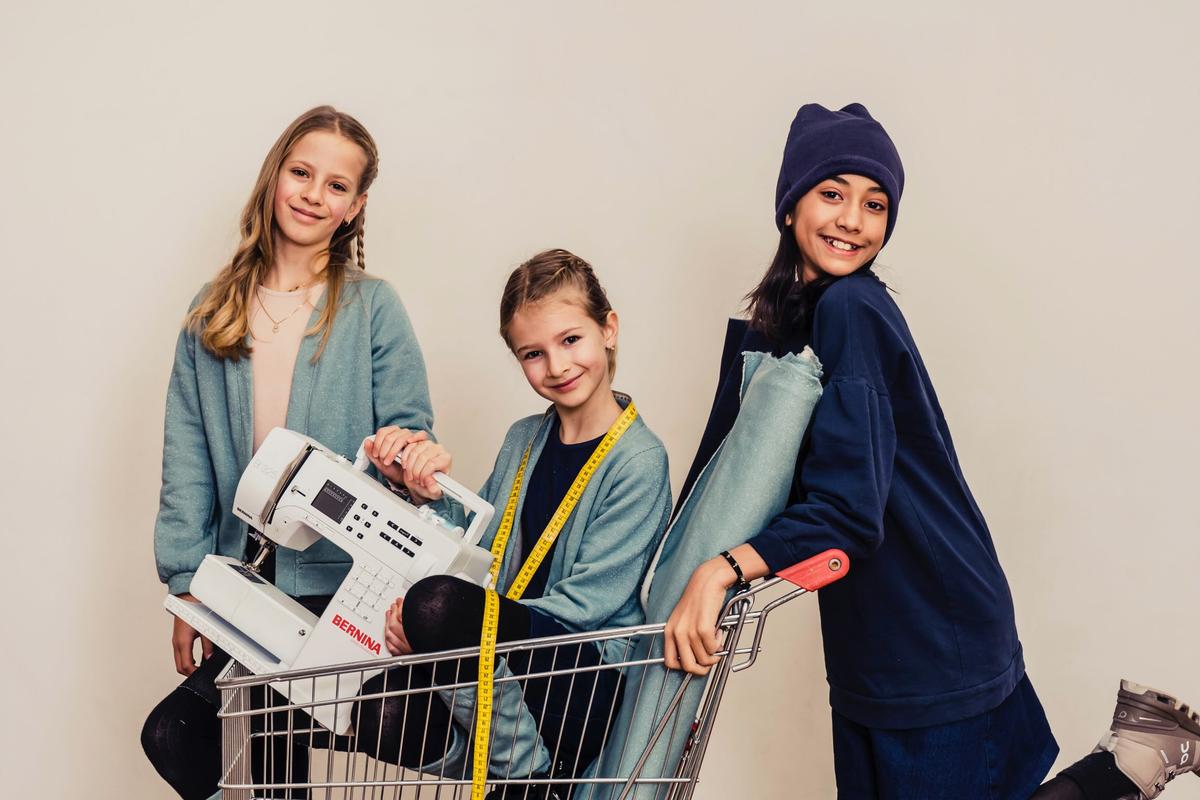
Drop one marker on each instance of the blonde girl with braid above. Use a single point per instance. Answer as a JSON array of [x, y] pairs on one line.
[[291, 332]]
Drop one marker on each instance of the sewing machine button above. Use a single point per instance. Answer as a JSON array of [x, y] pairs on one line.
[[374, 513], [371, 569], [393, 525], [415, 541], [377, 587], [356, 589], [408, 552]]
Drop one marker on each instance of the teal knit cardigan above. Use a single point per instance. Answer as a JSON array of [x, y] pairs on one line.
[[597, 564], [602, 553], [371, 374]]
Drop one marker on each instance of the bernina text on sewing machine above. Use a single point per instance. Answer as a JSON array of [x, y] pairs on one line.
[[294, 492]]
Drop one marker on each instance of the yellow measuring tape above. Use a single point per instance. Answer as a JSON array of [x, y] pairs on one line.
[[491, 610]]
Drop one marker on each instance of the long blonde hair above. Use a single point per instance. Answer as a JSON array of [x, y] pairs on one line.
[[222, 317], [545, 274]]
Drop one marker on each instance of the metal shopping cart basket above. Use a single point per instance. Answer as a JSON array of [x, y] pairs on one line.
[[645, 738]]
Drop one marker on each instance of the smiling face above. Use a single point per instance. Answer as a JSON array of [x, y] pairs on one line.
[[317, 188], [839, 225], [562, 350]]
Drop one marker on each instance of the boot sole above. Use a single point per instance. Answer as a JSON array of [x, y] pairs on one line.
[[1155, 701]]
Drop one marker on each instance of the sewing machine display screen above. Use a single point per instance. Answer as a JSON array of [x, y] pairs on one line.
[[333, 501]]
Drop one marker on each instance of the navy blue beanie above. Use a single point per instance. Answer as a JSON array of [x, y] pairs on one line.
[[824, 143]]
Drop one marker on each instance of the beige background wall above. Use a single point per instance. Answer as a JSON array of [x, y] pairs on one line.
[[1045, 259]]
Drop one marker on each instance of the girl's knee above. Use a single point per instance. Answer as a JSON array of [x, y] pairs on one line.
[[182, 740], [156, 735], [439, 611]]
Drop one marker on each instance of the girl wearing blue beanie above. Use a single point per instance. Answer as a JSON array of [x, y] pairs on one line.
[[927, 680]]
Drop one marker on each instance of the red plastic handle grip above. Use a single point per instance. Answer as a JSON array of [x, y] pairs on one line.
[[820, 570]]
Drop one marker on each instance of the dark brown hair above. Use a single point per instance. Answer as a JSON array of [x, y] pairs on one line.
[[783, 303], [547, 273]]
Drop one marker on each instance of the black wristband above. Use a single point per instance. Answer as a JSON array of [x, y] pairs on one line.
[[741, 584]]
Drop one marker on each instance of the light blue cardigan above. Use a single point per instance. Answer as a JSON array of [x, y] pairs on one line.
[[598, 563], [371, 374], [601, 555]]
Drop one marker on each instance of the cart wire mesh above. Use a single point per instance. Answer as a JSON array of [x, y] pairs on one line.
[[582, 727]]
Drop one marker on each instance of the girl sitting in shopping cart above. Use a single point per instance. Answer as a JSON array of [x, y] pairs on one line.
[[586, 496]]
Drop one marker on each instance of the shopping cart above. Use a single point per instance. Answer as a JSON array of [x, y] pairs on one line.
[[645, 740]]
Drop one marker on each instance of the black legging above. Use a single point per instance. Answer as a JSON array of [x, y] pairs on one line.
[[182, 735], [1093, 777]]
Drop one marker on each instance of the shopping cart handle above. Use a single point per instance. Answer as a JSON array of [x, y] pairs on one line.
[[818, 571]]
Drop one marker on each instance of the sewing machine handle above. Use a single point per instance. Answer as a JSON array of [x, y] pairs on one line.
[[483, 510]]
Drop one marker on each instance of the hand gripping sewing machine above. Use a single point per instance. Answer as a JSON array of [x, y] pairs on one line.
[[293, 492]]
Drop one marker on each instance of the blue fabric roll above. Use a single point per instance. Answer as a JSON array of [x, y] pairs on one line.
[[744, 485]]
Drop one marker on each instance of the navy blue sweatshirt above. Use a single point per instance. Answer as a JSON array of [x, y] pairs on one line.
[[921, 632]]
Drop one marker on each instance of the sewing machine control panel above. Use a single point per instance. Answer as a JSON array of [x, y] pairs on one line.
[[366, 522], [362, 520], [368, 590]]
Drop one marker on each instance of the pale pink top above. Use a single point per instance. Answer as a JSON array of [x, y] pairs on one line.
[[276, 334]]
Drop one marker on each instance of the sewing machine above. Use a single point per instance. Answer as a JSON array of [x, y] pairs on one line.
[[294, 492]]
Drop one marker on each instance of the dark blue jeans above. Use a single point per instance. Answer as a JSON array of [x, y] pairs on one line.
[[1002, 754]]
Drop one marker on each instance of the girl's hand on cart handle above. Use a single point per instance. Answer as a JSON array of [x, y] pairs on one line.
[[183, 643], [393, 630], [691, 636], [387, 444]]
